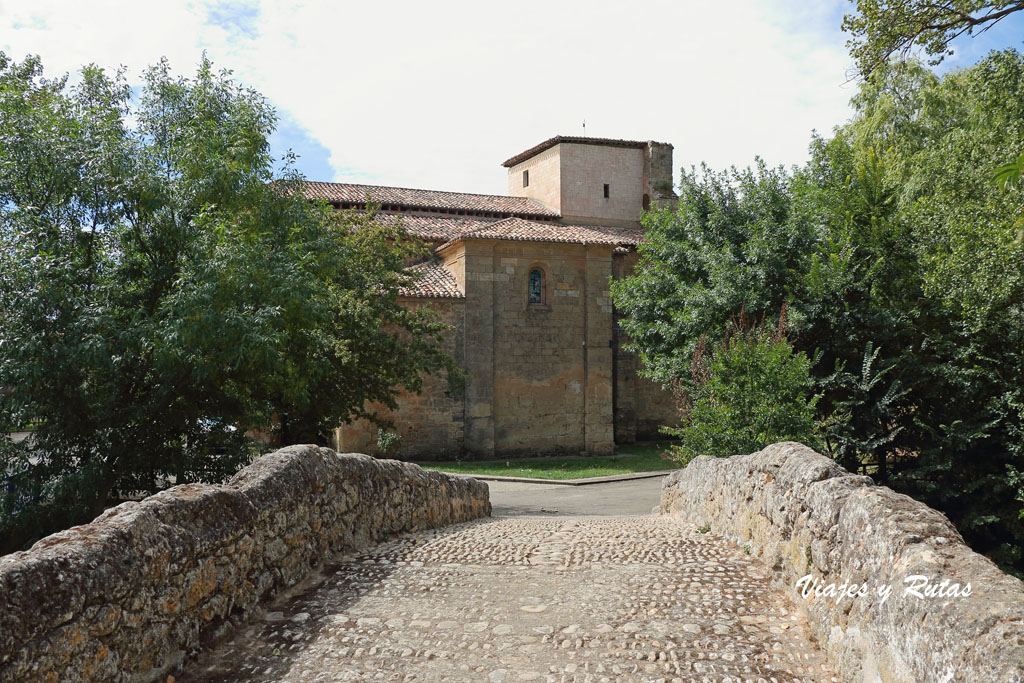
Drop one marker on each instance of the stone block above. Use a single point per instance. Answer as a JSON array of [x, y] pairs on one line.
[[125, 596], [812, 521]]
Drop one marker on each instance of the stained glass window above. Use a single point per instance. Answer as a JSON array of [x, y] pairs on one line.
[[536, 287]]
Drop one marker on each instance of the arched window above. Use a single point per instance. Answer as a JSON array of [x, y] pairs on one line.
[[536, 286]]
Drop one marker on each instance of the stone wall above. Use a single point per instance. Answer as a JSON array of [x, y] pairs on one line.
[[431, 423], [659, 181], [803, 515], [542, 379], [586, 169], [570, 178], [128, 596], [544, 385], [642, 407], [545, 171]]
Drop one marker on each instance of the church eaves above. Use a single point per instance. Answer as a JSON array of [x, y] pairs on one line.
[[559, 139], [347, 196], [436, 228], [517, 229]]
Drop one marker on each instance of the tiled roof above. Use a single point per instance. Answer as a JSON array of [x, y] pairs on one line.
[[558, 139], [533, 231], [435, 281], [436, 228], [409, 199]]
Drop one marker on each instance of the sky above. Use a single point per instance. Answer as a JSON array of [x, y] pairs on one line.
[[437, 94]]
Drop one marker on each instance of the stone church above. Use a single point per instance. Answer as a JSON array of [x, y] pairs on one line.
[[523, 281]]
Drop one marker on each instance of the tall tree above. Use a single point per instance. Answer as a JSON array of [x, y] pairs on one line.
[[882, 28], [160, 296], [902, 266]]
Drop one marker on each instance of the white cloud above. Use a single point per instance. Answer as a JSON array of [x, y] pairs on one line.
[[437, 94]]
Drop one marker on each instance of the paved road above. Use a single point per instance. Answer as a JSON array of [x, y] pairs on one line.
[[635, 497], [554, 597]]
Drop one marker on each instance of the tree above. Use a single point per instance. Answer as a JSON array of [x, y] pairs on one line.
[[965, 234], [160, 297], [902, 266], [731, 243], [748, 391], [882, 28], [822, 241]]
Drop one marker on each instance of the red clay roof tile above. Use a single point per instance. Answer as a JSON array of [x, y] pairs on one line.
[[435, 281], [410, 199], [533, 231], [435, 228]]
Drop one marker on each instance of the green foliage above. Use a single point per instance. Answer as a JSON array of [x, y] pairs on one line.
[[903, 269], [862, 422], [388, 441], [731, 244], [1016, 479], [965, 232], [750, 391], [160, 297], [1010, 175], [881, 28]]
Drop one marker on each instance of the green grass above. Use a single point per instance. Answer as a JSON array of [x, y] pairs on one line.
[[627, 459]]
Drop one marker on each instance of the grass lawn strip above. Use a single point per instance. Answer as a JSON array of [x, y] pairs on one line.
[[644, 458]]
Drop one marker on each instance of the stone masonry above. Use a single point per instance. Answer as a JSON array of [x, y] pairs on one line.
[[431, 423], [805, 516], [130, 595], [570, 174], [559, 600], [542, 377]]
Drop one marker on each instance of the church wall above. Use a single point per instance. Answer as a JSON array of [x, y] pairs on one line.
[[545, 178], [660, 182], [600, 384], [657, 405], [455, 263], [539, 376], [481, 272], [585, 169], [641, 406], [533, 386], [551, 390], [430, 423]]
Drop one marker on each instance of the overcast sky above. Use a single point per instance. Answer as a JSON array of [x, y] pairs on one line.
[[436, 94]]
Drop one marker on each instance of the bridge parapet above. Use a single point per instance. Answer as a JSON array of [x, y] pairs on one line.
[[127, 596], [899, 607]]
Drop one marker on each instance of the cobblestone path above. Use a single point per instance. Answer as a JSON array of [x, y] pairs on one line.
[[531, 599]]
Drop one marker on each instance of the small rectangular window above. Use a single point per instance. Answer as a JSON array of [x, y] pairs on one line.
[[526, 178], [606, 190]]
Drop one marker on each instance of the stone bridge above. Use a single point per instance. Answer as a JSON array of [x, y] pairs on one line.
[[313, 567]]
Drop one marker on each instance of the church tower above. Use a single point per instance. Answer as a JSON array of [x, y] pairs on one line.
[[595, 181]]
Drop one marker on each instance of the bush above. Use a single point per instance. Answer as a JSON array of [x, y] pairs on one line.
[[752, 390], [388, 441]]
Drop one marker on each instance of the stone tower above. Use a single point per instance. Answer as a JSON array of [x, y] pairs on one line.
[[595, 181]]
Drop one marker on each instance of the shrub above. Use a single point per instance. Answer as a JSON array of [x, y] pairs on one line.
[[388, 441], [750, 391]]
